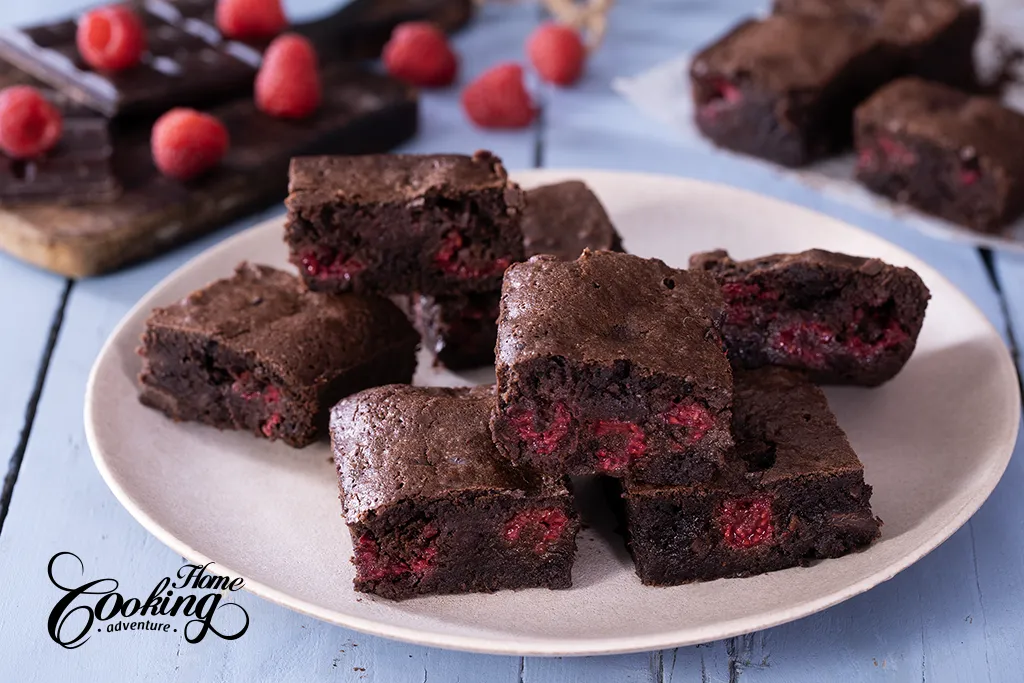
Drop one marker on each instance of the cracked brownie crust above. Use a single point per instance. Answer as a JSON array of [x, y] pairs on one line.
[[259, 353], [840, 319], [398, 224], [612, 364], [793, 492], [432, 506]]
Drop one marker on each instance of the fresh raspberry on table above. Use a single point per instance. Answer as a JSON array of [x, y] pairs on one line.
[[29, 124], [243, 19], [288, 82], [498, 99], [185, 143], [419, 54], [557, 53], [111, 38]]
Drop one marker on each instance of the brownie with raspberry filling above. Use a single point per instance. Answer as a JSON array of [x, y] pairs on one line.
[[793, 492], [258, 352], [612, 364], [935, 37], [561, 219], [400, 223], [432, 506], [784, 87], [944, 152], [841, 319]]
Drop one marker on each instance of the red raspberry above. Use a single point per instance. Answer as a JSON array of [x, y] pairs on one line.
[[746, 522], [557, 53], [419, 53], [243, 19], [498, 99], [29, 125], [288, 83], [111, 38], [185, 143]]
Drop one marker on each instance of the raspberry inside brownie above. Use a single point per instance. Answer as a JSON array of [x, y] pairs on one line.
[[842, 319], [793, 491], [399, 224], [612, 364], [259, 353], [561, 219], [432, 506]]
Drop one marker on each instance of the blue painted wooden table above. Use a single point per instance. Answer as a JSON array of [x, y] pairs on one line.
[[958, 615]]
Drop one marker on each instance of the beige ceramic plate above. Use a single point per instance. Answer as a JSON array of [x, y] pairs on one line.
[[934, 442]]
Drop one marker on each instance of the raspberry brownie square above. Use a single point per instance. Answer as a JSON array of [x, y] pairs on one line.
[[612, 364], [934, 39], [944, 152], [840, 319], [258, 352], [784, 88], [561, 219], [399, 224], [794, 492], [433, 507]]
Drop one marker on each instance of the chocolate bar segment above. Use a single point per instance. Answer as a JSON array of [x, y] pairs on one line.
[[188, 61], [78, 169], [361, 113]]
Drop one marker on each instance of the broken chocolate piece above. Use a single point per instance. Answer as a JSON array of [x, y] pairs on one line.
[[361, 113]]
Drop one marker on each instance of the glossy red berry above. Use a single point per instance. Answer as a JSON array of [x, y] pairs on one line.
[[288, 82], [418, 53], [111, 38], [186, 143], [249, 19], [557, 53], [498, 99], [29, 124]]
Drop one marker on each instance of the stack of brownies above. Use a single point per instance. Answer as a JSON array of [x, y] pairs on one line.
[[895, 77], [691, 392]]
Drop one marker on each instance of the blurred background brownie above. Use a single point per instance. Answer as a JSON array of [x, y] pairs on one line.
[[784, 88], [935, 38], [561, 219], [434, 508], [840, 319], [794, 492], [612, 364], [402, 224], [944, 152], [258, 352]]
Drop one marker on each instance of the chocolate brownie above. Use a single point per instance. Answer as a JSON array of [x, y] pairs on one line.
[[612, 364], [935, 38], [784, 88], [944, 152], [432, 506], [401, 224], [841, 319], [793, 492], [258, 352], [561, 219]]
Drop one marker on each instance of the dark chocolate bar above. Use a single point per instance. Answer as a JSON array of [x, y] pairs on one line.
[[361, 113], [78, 169], [188, 61]]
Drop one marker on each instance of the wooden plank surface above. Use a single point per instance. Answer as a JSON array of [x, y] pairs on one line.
[[957, 615], [30, 304]]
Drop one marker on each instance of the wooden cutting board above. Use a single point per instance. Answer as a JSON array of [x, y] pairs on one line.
[[362, 113]]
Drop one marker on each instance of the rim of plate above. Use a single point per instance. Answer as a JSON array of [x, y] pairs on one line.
[[532, 646]]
